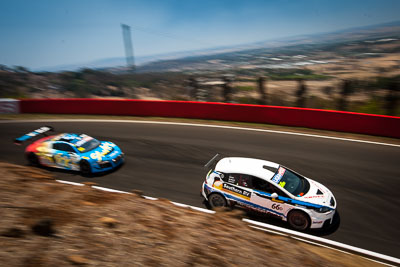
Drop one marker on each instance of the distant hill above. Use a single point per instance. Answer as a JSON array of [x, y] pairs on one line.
[[184, 60]]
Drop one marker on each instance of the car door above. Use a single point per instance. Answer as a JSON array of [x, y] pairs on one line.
[[238, 187], [63, 155], [262, 198]]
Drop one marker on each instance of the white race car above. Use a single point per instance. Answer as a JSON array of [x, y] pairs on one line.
[[268, 187]]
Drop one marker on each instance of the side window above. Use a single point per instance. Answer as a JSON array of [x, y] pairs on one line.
[[230, 178], [265, 186], [238, 179], [262, 185], [63, 147], [245, 180], [57, 146]]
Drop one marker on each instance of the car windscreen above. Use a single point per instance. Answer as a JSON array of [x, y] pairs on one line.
[[89, 145], [292, 182]]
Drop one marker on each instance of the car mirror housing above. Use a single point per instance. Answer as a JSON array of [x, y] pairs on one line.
[[274, 195]]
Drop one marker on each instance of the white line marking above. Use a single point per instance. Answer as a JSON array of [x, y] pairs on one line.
[[110, 190], [207, 125], [202, 210], [68, 182], [266, 230], [180, 204], [150, 198]]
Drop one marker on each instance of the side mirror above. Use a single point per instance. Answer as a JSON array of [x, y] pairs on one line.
[[274, 195]]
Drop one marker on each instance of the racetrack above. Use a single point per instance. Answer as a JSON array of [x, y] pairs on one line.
[[165, 160]]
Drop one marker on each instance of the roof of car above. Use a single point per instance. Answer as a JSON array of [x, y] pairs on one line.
[[256, 167], [71, 138]]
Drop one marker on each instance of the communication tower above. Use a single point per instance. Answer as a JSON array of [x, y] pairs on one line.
[[126, 32]]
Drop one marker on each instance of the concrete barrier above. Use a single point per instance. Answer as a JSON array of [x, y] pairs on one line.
[[300, 117]]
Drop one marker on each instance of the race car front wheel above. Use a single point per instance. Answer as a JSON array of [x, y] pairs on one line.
[[33, 159], [217, 201], [298, 220], [85, 167]]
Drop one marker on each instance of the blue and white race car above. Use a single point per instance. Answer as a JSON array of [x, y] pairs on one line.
[[71, 151], [268, 187]]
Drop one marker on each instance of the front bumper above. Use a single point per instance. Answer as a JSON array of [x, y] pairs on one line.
[[319, 220], [107, 165]]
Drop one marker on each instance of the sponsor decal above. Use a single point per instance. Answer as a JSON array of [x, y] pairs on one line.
[[278, 176], [105, 149], [46, 159], [317, 196], [277, 207], [39, 131], [32, 134], [218, 185], [62, 160], [67, 137], [85, 138], [114, 154], [236, 191], [255, 207]]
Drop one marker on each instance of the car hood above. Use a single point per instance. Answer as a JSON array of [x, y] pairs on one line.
[[105, 151], [319, 194]]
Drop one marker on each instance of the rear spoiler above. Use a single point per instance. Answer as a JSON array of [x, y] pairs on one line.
[[41, 130], [212, 161]]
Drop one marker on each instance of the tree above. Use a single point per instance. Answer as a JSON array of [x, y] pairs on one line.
[[392, 97], [262, 90], [346, 90], [301, 93]]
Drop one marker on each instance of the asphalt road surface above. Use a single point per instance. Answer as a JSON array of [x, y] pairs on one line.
[[166, 161]]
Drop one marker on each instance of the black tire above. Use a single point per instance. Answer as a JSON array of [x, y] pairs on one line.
[[33, 159], [299, 220], [216, 201], [85, 167]]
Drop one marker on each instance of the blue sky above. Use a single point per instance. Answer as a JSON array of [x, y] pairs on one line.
[[40, 33]]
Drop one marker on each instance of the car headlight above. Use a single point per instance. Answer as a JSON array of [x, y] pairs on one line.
[[322, 209]]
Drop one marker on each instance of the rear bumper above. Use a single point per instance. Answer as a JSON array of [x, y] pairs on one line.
[[204, 191]]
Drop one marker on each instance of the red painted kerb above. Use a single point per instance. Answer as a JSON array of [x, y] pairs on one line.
[[302, 117]]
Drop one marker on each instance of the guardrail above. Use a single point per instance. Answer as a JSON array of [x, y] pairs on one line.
[[300, 117]]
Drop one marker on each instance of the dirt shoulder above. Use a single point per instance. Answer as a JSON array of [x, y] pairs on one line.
[[46, 223], [272, 127]]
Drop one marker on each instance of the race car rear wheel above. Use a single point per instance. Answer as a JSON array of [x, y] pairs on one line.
[[33, 159], [217, 201], [298, 220], [85, 167]]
